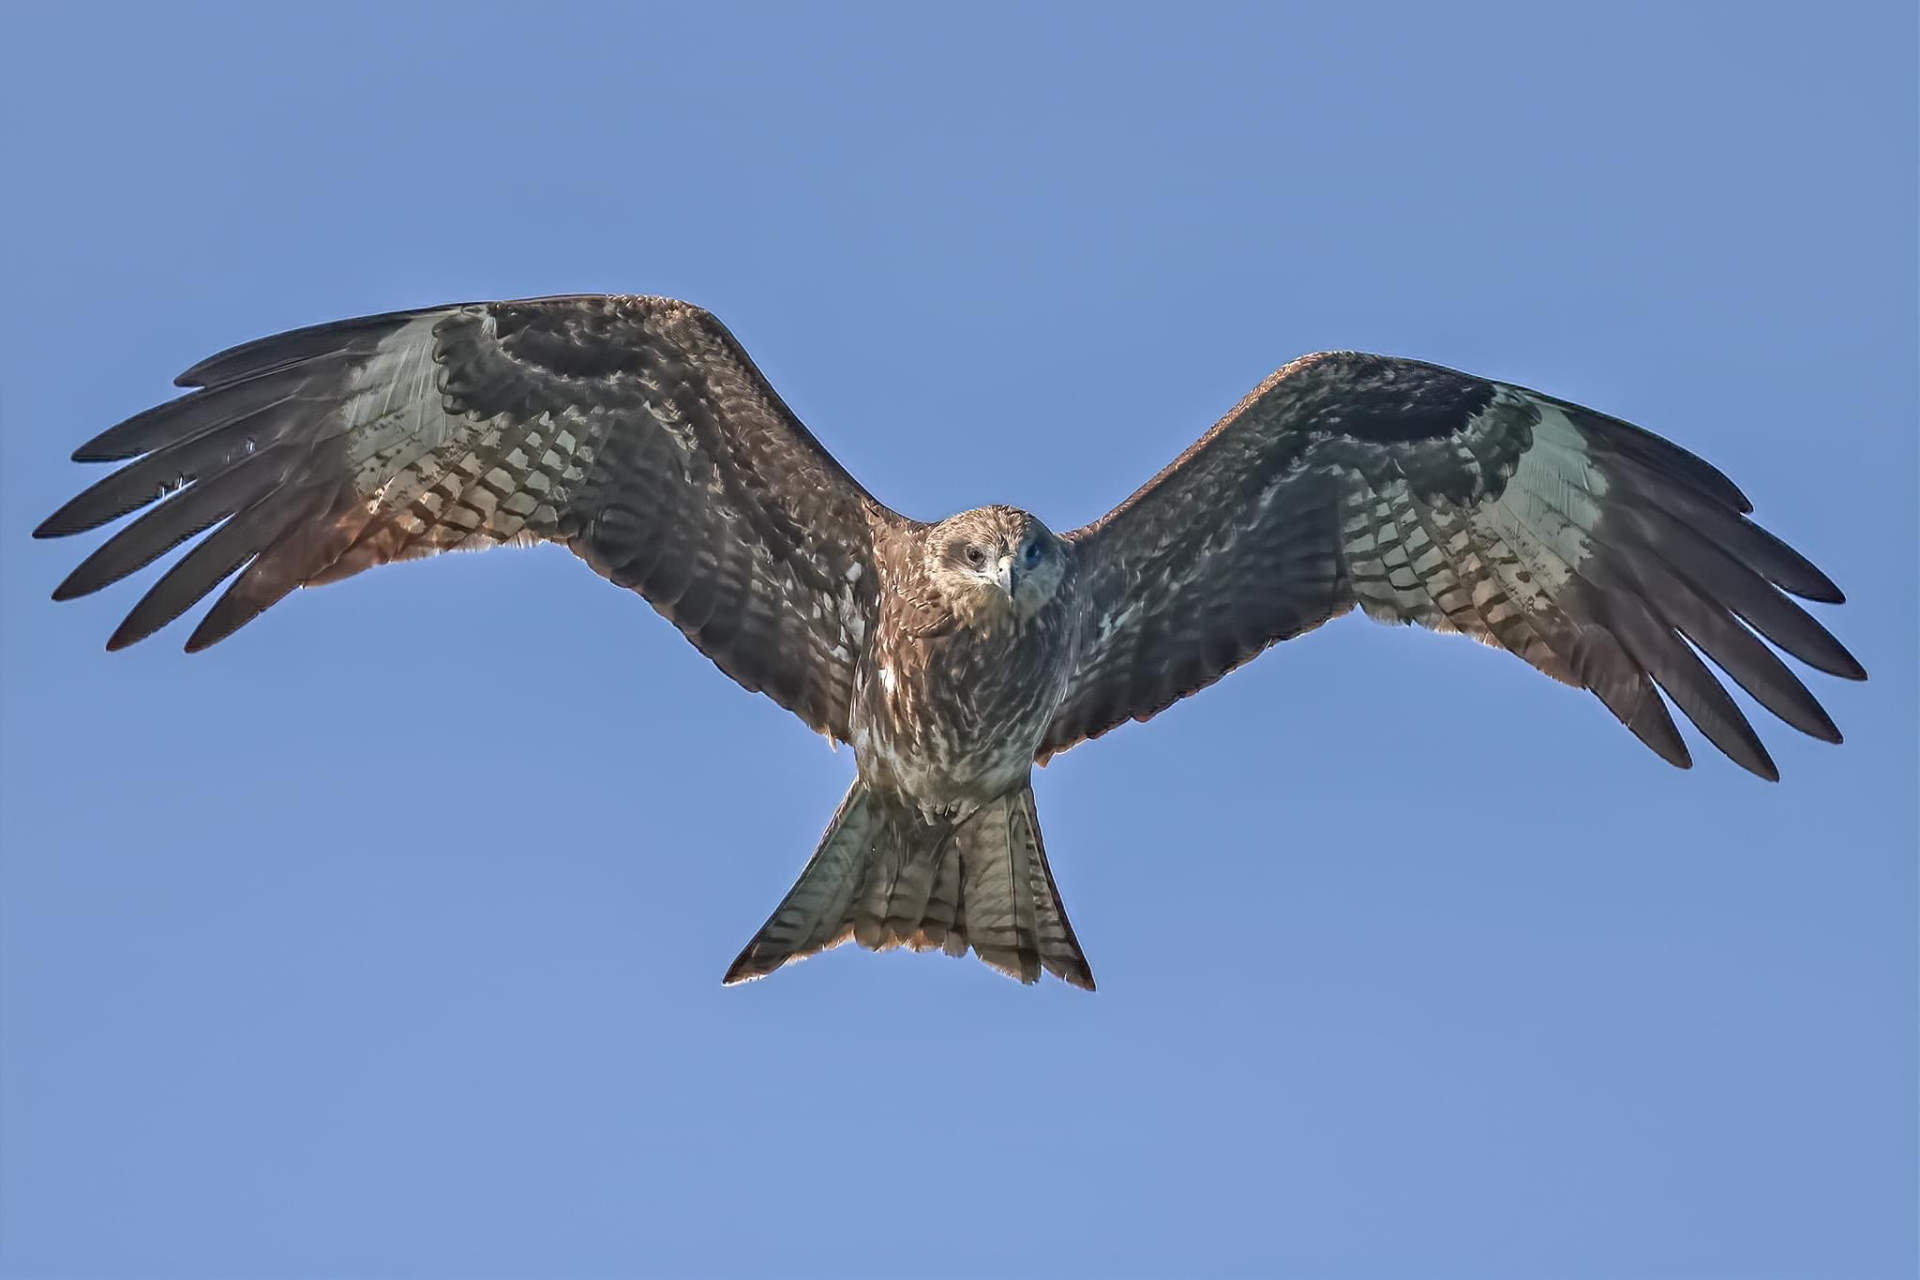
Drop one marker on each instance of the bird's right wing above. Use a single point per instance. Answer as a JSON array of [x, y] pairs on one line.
[[633, 430]]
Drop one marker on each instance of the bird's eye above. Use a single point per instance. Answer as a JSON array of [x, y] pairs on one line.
[[976, 557], [1033, 554]]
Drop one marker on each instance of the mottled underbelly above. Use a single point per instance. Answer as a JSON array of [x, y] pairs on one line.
[[949, 740]]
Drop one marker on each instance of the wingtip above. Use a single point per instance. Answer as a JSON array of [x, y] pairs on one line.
[[1838, 662], [80, 513], [72, 587], [201, 640], [1819, 588], [1821, 728], [101, 448], [131, 631], [63, 524], [194, 376]]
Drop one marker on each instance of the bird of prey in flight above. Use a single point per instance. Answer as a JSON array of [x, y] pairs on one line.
[[956, 654]]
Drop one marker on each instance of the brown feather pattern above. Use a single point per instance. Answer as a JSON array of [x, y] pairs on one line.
[[633, 430], [1588, 547], [638, 433]]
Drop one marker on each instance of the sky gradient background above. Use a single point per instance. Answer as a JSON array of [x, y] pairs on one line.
[[1411, 961]]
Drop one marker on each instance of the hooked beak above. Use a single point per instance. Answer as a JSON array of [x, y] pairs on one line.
[[1009, 577]]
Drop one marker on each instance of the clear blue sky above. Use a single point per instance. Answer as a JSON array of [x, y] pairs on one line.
[[316, 961]]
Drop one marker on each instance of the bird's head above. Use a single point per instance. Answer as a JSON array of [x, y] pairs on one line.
[[995, 561]]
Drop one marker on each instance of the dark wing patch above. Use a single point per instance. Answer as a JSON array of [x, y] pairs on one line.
[[634, 430], [1598, 552]]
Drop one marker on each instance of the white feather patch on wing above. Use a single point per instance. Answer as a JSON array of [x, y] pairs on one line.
[[1486, 568]]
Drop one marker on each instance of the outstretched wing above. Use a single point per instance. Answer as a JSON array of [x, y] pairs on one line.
[[634, 430], [1589, 547]]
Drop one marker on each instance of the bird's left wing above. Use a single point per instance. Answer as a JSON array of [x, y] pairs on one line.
[[633, 430], [1592, 549]]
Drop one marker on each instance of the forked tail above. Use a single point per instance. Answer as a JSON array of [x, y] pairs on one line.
[[886, 878]]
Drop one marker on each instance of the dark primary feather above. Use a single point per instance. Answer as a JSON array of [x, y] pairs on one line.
[[634, 430], [1598, 552]]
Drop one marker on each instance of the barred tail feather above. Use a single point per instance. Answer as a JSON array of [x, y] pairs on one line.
[[1015, 921], [885, 878]]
